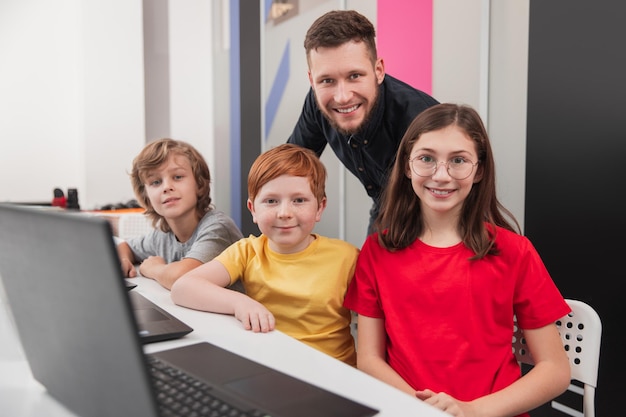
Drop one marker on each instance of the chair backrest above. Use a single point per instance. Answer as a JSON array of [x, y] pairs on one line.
[[133, 225], [581, 332]]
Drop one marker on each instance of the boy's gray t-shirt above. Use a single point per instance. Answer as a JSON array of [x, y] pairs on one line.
[[214, 233]]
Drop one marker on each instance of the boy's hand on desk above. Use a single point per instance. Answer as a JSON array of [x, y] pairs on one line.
[[254, 316], [128, 269], [151, 266]]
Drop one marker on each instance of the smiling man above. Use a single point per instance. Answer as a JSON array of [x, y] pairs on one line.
[[352, 105]]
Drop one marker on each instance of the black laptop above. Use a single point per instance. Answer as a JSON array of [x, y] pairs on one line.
[[75, 321], [154, 323]]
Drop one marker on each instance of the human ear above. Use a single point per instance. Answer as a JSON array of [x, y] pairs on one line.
[[379, 70], [479, 174], [407, 170], [250, 206], [320, 209]]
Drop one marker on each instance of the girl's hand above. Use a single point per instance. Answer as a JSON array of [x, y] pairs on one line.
[[445, 402]]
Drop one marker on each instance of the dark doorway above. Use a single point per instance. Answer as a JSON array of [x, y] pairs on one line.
[[575, 210]]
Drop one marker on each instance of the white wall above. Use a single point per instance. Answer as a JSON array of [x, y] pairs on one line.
[[113, 98], [508, 86], [72, 108], [191, 75], [40, 132], [71, 98], [72, 111], [480, 57]]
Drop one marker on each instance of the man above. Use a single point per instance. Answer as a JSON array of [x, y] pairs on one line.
[[352, 105]]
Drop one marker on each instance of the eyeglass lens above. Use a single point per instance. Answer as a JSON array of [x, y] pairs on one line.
[[457, 169]]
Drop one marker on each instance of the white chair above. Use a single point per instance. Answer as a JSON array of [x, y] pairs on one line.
[[132, 225], [581, 331]]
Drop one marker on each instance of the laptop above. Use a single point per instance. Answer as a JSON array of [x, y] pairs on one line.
[[73, 315], [154, 323]]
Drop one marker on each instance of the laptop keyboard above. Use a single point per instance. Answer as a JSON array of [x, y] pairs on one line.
[[181, 395]]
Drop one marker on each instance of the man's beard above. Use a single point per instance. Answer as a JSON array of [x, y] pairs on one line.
[[359, 128]]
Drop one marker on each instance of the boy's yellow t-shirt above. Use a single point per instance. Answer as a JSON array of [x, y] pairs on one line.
[[304, 290]]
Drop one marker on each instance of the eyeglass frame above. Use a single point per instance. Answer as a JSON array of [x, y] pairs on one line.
[[447, 165]]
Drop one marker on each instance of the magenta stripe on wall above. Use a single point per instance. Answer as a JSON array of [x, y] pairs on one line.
[[405, 40]]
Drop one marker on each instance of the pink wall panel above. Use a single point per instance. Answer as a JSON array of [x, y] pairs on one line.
[[404, 39]]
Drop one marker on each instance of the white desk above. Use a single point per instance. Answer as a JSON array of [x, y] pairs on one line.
[[22, 396]]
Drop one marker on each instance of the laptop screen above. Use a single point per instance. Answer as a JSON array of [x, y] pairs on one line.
[[62, 280]]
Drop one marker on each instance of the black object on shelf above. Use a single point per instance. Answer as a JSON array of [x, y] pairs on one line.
[[72, 199]]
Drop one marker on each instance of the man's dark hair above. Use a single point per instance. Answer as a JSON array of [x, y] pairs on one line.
[[338, 27]]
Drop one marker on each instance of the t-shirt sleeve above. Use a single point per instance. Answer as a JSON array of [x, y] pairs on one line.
[[213, 236], [143, 246], [235, 258], [538, 302], [362, 295]]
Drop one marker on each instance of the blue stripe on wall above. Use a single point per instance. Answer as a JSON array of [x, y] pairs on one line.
[[278, 90], [268, 6]]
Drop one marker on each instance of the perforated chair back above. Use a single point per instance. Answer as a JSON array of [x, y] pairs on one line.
[[581, 332], [133, 225]]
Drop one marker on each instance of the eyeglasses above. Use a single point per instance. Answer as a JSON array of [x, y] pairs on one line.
[[458, 167]]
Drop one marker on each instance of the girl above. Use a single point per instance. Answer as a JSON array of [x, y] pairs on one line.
[[437, 287]]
